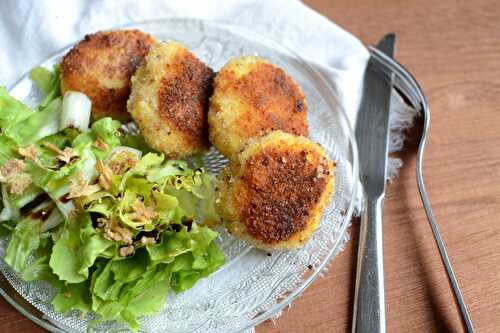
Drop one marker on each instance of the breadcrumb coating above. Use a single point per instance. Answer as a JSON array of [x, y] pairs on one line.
[[100, 66], [169, 100], [274, 194], [251, 98]]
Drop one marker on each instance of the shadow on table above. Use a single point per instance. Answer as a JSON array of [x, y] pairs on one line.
[[442, 321]]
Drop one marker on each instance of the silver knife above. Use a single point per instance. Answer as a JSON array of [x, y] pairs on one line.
[[372, 137]]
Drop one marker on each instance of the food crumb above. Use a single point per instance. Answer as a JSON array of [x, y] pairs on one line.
[[126, 251], [19, 183], [80, 187], [142, 213], [113, 232], [12, 173], [67, 155], [147, 240], [105, 174], [29, 152], [125, 162], [11, 167], [100, 144]]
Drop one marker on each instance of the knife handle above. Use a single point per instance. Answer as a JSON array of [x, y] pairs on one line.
[[369, 302]]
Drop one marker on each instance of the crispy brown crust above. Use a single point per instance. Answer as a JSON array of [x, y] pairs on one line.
[[101, 65], [183, 97], [275, 101], [278, 190]]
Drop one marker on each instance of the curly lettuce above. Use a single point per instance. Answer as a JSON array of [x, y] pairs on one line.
[[102, 217]]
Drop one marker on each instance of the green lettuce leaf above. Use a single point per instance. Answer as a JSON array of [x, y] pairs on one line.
[[171, 168], [141, 167], [107, 130], [46, 157], [76, 249], [8, 149], [204, 258], [104, 286], [155, 198], [192, 255], [37, 125], [129, 288], [145, 294], [137, 142], [19, 200], [93, 245], [25, 239], [190, 267], [116, 273], [187, 200], [39, 268], [141, 188], [145, 297], [207, 194], [8, 212], [42, 78], [57, 183], [48, 82], [165, 202], [73, 297], [6, 228], [168, 249], [12, 111]]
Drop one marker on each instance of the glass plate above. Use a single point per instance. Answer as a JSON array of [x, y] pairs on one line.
[[253, 285]]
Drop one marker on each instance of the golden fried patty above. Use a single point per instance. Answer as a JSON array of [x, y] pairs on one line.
[[274, 193], [252, 97], [169, 100], [101, 65]]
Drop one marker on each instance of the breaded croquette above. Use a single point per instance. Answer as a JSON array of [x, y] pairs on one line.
[[252, 97], [100, 66], [274, 192], [169, 100]]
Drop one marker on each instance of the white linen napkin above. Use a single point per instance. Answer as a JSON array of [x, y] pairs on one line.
[[31, 31]]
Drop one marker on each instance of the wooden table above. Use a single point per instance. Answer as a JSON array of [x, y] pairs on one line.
[[453, 48]]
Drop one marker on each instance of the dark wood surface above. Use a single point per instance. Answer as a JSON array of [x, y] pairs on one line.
[[453, 48]]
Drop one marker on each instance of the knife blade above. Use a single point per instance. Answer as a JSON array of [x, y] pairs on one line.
[[372, 126], [372, 137]]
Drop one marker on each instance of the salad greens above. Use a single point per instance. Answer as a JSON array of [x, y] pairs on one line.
[[48, 82], [96, 212]]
